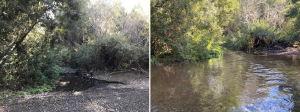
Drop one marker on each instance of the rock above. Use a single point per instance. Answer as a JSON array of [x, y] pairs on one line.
[[111, 110]]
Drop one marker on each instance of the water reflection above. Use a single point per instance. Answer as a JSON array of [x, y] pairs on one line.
[[234, 82], [73, 83]]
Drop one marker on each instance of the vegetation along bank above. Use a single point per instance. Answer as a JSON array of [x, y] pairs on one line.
[[38, 37], [195, 30]]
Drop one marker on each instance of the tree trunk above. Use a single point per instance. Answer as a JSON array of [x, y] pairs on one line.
[[14, 46]]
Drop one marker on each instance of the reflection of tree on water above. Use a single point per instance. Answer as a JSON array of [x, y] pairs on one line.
[[217, 78], [211, 88], [234, 82], [171, 87]]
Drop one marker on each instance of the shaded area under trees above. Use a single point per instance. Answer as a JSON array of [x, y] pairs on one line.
[[40, 36]]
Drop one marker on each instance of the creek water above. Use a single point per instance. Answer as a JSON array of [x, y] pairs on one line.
[[236, 81], [73, 83]]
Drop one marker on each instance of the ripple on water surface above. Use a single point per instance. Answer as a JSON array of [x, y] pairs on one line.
[[233, 82]]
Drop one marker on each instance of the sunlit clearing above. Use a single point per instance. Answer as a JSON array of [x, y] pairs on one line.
[[77, 93], [64, 83]]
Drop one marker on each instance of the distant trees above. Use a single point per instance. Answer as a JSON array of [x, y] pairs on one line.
[[294, 13], [119, 39], [262, 24], [269, 10]]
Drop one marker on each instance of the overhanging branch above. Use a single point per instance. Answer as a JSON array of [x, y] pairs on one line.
[[15, 45]]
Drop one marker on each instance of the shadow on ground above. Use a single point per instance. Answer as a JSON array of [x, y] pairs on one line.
[[114, 97]]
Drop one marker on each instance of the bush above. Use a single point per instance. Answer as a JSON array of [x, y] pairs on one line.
[[114, 52], [34, 64], [260, 36], [154, 60], [117, 52], [187, 48]]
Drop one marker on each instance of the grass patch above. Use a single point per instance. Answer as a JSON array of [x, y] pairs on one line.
[[25, 91]]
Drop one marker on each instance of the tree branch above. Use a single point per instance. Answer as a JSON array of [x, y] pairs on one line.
[[18, 43], [159, 5], [14, 46]]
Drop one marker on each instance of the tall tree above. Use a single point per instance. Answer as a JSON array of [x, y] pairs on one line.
[[19, 17], [177, 27]]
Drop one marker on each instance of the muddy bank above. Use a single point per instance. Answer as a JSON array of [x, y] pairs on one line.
[[103, 97], [279, 51]]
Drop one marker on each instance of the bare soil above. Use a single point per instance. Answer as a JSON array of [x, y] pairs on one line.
[[132, 96], [279, 51]]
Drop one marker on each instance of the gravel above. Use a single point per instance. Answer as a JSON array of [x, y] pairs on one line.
[[104, 97]]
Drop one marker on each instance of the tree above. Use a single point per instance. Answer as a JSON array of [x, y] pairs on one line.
[[120, 38], [28, 33], [187, 29], [19, 17]]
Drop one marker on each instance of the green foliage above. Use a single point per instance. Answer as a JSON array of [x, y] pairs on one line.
[[154, 60], [35, 67], [115, 52], [83, 56], [261, 35], [66, 55], [262, 28], [37, 89], [188, 29], [120, 53], [118, 40], [28, 90], [287, 36], [29, 31], [238, 40], [262, 25], [39, 36]]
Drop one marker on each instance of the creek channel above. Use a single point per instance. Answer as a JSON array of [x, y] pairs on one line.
[[73, 83], [235, 81]]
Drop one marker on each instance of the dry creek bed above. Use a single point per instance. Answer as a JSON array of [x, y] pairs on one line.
[[130, 97]]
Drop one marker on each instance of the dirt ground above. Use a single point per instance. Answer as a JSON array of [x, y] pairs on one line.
[[133, 96], [274, 51]]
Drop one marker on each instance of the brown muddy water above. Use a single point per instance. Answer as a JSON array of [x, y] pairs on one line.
[[235, 81]]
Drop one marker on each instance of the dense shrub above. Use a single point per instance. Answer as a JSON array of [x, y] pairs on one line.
[[37, 66], [188, 30], [115, 52], [261, 35]]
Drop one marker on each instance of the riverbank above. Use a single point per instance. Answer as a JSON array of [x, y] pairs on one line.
[[279, 51], [108, 97], [271, 51]]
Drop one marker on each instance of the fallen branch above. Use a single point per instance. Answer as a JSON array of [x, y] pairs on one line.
[[295, 46], [117, 72]]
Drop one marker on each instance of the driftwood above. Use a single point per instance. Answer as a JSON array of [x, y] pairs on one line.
[[85, 75], [124, 71], [69, 70], [295, 46], [117, 72]]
